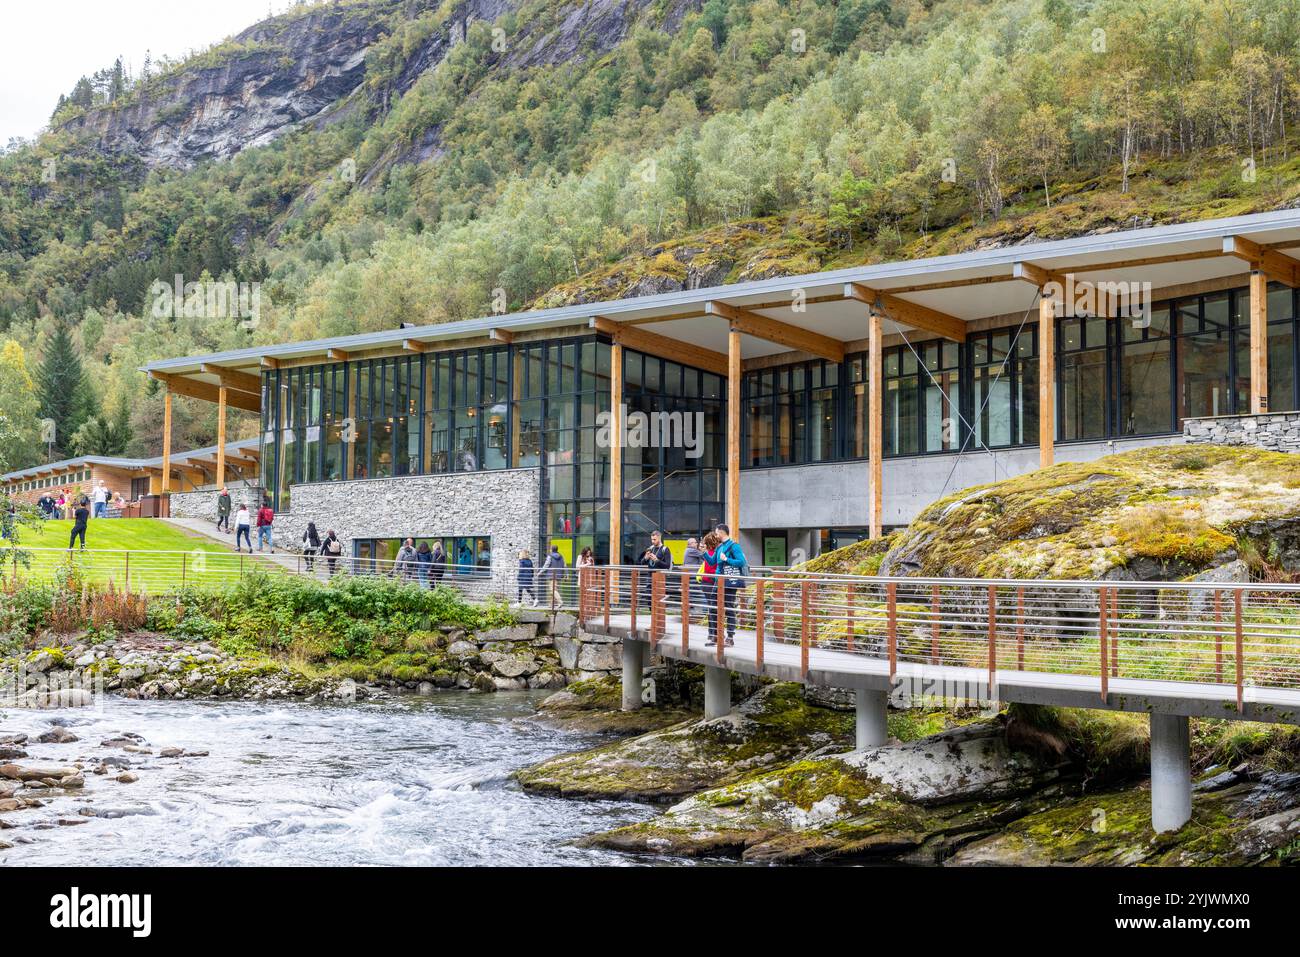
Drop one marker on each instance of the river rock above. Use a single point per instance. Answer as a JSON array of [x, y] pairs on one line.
[[509, 684], [462, 649], [72, 781], [52, 698], [567, 649], [523, 632], [546, 680], [35, 773], [57, 735], [600, 657], [515, 666], [127, 777], [9, 754]]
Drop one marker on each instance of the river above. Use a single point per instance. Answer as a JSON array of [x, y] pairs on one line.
[[407, 781]]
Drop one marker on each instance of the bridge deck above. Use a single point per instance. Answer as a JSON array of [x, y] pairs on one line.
[[843, 669]]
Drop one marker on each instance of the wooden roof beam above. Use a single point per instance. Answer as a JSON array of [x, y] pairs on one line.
[[207, 392], [774, 330], [1278, 266], [231, 379], [686, 353], [501, 335], [414, 345], [908, 313]]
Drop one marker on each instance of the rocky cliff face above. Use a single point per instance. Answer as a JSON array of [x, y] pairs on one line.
[[309, 69]]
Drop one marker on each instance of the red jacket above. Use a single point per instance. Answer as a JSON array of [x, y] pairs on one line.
[[265, 516]]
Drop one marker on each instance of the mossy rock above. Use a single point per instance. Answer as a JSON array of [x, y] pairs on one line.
[[1149, 513], [773, 727]]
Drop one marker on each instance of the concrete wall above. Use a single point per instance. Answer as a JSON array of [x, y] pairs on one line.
[[835, 494], [1278, 431], [502, 504]]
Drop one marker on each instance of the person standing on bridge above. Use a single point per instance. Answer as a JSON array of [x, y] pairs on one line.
[[733, 567]]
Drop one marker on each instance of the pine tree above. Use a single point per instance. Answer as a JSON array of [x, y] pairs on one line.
[[62, 388]]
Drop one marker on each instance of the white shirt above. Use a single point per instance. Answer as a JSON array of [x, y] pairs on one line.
[[101, 495]]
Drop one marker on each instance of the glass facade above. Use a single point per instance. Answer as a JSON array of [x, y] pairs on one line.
[[539, 405]]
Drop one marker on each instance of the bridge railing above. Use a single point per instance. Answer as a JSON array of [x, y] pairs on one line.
[[1231, 634]]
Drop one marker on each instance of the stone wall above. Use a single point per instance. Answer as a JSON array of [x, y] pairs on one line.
[[1277, 431], [504, 505], [203, 503]]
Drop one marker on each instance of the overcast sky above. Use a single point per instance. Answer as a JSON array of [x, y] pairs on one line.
[[46, 45]]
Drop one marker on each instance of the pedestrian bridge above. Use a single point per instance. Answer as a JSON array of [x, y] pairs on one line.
[[1173, 650]]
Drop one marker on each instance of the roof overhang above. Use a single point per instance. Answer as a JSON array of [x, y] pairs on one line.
[[925, 295]]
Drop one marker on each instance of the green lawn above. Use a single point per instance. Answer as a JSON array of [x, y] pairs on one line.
[[135, 534], [161, 556]]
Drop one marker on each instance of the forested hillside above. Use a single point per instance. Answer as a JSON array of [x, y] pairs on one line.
[[408, 160]]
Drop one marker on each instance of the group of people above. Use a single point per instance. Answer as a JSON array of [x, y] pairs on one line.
[[716, 555], [423, 563], [244, 520]]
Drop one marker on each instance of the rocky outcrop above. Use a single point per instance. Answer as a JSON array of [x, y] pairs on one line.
[[311, 67], [772, 727], [913, 802], [1156, 513]]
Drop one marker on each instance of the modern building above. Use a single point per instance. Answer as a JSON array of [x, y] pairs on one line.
[[808, 411], [194, 471]]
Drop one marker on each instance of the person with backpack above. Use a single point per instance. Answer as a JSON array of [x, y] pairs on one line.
[[242, 520], [733, 566], [707, 579], [331, 548], [265, 521], [404, 565], [310, 545], [223, 510], [553, 570]]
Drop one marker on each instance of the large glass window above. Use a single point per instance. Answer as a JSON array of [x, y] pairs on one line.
[[1004, 387], [1204, 356], [1083, 384], [1145, 374]]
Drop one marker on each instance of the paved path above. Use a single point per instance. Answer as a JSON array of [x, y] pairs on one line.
[[290, 561]]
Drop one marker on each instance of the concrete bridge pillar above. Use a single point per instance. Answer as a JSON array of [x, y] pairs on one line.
[[717, 691], [872, 710], [633, 668], [1171, 772]]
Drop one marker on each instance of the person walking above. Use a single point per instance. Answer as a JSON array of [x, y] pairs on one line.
[[331, 548], [265, 523], [526, 578], [223, 510], [553, 571], [733, 567], [423, 563], [242, 520], [79, 518], [310, 544], [437, 565]]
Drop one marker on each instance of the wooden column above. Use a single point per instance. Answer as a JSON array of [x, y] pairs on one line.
[[875, 421], [616, 454], [221, 436], [1258, 342], [733, 432], [167, 442], [1046, 382]]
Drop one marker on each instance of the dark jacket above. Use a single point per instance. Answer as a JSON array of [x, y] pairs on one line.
[[437, 562], [82, 515], [693, 558], [223, 503], [657, 558], [554, 565], [525, 573]]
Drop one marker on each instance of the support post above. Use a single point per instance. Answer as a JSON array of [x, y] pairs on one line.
[[733, 432], [1258, 342], [1046, 381], [717, 692], [872, 713], [875, 422], [1171, 772], [221, 436], [633, 659], [167, 442], [616, 454]]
